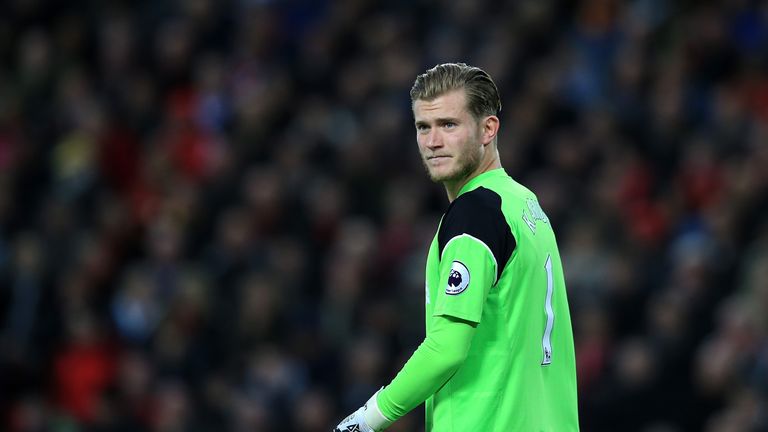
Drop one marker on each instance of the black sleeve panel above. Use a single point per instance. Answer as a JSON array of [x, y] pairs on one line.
[[478, 213]]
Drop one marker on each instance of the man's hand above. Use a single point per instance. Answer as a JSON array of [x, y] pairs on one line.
[[354, 423], [368, 418]]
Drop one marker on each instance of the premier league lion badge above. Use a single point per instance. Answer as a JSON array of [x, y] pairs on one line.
[[458, 280]]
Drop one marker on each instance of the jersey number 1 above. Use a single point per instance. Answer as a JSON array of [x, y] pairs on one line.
[[546, 341]]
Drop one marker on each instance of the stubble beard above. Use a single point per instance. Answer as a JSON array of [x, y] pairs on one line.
[[466, 164]]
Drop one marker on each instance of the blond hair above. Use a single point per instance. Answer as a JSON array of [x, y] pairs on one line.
[[482, 94]]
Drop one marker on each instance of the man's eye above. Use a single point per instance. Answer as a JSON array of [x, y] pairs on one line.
[[449, 125], [422, 128]]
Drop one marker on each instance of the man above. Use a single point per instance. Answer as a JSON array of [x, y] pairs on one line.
[[498, 353]]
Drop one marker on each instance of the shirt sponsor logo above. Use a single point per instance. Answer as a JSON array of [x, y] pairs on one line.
[[458, 279]]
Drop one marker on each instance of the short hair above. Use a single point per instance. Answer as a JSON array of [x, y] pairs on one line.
[[482, 93]]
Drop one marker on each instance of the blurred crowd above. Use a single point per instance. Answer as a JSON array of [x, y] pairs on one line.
[[213, 215]]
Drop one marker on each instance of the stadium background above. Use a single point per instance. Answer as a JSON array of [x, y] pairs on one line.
[[214, 217]]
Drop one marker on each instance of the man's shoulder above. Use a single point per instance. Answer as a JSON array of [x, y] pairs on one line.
[[478, 213], [479, 199], [503, 194], [473, 211]]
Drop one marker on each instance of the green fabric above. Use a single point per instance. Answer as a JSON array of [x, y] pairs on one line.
[[464, 254], [511, 380], [431, 365]]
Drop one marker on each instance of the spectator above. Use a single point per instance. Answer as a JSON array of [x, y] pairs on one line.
[[197, 198]]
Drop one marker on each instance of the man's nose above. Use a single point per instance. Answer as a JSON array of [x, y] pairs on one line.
[[434, 139]]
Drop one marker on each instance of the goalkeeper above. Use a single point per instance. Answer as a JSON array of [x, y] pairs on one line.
[[498, 353]]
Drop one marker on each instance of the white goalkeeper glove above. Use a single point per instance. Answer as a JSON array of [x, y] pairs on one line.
[[366, 419]]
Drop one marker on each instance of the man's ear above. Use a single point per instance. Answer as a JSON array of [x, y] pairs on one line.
[[490, 128]]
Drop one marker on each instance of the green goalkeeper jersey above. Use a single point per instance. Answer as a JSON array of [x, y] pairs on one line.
[[494, 261]]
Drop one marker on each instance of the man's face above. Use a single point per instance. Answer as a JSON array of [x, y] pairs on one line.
[[449, 137]]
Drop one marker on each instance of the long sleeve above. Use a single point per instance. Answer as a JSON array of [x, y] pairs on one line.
[[431, 365]]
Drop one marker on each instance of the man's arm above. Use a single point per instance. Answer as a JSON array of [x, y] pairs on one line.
[[475, 243], [429, 368], [431, 365]]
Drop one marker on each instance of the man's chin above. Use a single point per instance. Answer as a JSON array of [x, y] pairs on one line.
[[446, 174], [451, 176], [441, 177], [436, 176]]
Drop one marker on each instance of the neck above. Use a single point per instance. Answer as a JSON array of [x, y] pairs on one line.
[[452, 188]]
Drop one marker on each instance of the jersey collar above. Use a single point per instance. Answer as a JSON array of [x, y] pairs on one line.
[[476, 181]]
